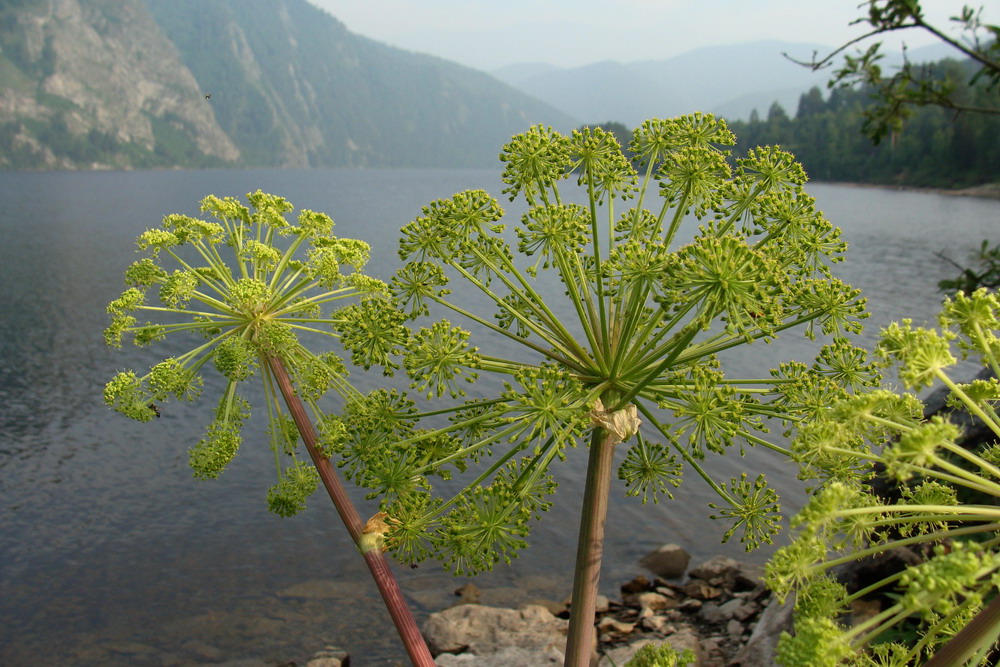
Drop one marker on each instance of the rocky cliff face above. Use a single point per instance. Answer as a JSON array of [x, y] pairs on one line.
[[157, 83], [102, 69]]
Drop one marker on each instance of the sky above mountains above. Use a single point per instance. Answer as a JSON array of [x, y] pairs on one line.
[[489, 34]]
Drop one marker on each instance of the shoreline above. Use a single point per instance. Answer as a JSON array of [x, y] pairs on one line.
[[985, 191], [720, 610]]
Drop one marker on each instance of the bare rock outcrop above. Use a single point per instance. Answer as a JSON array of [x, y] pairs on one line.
[[106, 68]]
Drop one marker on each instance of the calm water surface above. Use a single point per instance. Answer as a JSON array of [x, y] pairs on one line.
[[111, 554]]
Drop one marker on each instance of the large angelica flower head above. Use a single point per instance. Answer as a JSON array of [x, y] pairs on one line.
[[242, 285], [621, 285]]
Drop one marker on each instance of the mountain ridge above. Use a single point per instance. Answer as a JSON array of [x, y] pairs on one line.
[[92, 84], [729, 80], [222, 83]]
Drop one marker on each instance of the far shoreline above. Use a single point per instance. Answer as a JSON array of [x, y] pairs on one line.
[[986, 190]]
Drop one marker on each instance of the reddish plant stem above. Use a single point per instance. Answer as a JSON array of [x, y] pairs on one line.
[[983, 629], [409, 633], [590, 549]]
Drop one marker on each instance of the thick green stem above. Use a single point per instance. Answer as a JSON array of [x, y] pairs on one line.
[[590, 549], [409, 633]]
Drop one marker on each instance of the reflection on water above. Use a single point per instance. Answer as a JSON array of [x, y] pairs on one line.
[[111, 553]]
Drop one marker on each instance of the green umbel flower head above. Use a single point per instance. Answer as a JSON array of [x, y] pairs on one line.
[[941, 506], [245, 283], [619, 310]]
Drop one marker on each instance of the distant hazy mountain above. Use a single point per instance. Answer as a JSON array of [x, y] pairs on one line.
[[729, 80], [141, 83]]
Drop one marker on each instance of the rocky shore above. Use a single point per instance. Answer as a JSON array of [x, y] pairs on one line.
[[719, 609]]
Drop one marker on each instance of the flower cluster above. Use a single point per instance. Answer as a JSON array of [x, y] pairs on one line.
[[246, 283], [638, 325], [935, 498]]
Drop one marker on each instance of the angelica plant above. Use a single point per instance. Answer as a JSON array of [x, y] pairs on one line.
[[943, 504], [244, 286], [622, 309]]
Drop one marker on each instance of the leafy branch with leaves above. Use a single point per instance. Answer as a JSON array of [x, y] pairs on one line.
[[985, 273], [914, 85], [622, 310]]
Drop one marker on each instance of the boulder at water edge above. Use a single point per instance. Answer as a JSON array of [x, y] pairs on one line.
[[669, 561], [472, 629]]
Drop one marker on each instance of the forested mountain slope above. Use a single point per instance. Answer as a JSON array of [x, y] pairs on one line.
[[147, 83], [935, 147]]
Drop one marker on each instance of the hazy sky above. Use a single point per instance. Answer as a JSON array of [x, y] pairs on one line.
[[487, 34]]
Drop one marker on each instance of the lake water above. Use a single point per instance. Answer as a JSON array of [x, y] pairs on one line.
[[111, 554]]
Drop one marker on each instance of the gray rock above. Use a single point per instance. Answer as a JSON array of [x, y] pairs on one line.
[[739, 609], [483, 631], [733, 609], [712, 613], [672, 593], [760, 649], [611, 624], [728, 573], [512, 656], [636, 585], [669, 561], [651, 600], [655, 623], [555, 608], [331, 656], [862, 610], [712, 649], [691, 605], [698, 589]]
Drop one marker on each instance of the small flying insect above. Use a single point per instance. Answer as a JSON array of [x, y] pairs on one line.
[[155, 408], [208, 96]]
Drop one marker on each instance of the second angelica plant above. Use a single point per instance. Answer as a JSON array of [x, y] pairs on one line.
[[622, 309], [246, 285], [898, 487]]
